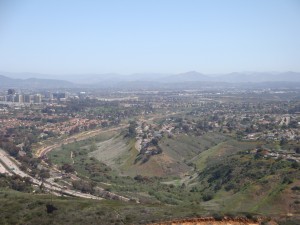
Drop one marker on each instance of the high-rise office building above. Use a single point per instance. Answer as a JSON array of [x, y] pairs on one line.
[[19, 98], [37, 98]]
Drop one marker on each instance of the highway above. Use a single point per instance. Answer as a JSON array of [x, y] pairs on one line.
[[49, 184], [7, 161]]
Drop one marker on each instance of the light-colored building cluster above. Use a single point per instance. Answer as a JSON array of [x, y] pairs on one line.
[[12, 96]]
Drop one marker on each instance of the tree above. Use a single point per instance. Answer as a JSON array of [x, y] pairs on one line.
[[84, 186], [154, 141], [104, 124], [283, 141], [131, 129], [50, 208], [44, 173], [186, 128], [68, 168]]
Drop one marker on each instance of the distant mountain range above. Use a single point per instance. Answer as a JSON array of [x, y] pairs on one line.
[[34, 83], [150, 80], [253, 77]]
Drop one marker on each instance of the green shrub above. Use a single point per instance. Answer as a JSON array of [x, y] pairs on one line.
[[217, 217], [207, 197]]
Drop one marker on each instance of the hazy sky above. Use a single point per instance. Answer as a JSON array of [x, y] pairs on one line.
[[127, 36]]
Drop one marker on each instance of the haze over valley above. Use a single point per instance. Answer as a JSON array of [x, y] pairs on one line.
[[22, 80]]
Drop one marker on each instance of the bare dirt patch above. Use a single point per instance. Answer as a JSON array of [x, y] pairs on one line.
[[110, 151], [210, 221]]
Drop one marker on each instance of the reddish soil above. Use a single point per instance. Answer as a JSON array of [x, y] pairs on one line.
[[212, 221]]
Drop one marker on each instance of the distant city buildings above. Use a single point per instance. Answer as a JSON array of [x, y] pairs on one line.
[[35, 98], [82, 95], [19, 98], [11, 92], [28, 98], [59, 95]]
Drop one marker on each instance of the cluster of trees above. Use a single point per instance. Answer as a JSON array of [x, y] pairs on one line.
[[84, 186], [27, 160], [131, 133], [67, 168], [78, 129], [9, 147], [16, 183]]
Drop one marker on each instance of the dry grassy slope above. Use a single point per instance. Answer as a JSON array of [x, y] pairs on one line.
[[110, 151], [158, 165], [268, 195], [120, 154], [177, 152], [186, 147]]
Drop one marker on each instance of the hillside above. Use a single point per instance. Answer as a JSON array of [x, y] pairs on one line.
[[239, 181], [212, 174], [214, 171], [227, 180]]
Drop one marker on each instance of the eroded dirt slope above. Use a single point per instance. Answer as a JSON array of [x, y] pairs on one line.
[[212, 221]]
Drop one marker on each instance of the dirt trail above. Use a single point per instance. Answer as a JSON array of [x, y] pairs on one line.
[[72, 158], [77, 137], [209, 221]]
